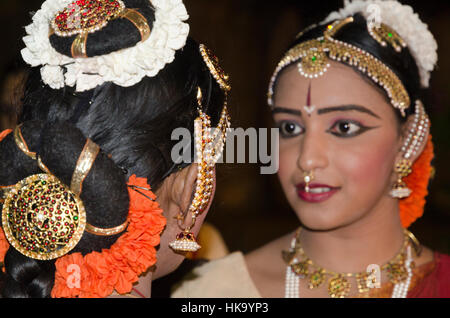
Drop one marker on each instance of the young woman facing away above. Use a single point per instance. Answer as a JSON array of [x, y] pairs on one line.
[[92, 200]]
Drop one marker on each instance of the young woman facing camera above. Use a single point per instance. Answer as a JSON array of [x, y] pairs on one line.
[[110, 81], [355, 153]]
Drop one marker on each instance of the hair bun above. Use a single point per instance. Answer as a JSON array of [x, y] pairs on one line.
[[105, 193], [15, 165], [118, 33]]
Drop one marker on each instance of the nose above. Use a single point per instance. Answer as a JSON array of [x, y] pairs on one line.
[[313, 152]]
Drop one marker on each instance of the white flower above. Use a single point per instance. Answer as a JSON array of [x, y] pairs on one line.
[[53, 76], [125, 68], [408, 25]]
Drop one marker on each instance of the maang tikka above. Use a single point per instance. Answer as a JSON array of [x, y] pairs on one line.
[[413, 143]]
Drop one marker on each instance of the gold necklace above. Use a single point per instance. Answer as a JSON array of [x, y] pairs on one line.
[[338, 283]]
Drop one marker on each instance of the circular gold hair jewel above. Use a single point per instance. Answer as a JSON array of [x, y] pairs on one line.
[[86, 16], [213, 64], [42, 218]]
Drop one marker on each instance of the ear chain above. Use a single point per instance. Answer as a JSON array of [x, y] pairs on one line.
[[413, 143]]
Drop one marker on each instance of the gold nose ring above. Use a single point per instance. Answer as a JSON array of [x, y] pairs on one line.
[[308, 177]]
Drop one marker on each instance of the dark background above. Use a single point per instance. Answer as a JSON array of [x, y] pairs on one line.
[[249, 36]]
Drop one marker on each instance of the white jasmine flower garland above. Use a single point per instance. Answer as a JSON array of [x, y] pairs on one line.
[[408, 25], [125, 68]]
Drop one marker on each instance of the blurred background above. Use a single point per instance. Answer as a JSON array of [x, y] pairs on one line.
[[249, 37]]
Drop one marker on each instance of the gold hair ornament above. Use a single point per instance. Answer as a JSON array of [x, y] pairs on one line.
[[213, 64], [83, 17], [43, 218], [384, 34], [314, 56]]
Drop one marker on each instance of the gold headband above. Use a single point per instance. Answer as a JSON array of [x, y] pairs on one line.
[[315, 55], [41, 217]]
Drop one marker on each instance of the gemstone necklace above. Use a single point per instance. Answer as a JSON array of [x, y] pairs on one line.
[[399, 271]]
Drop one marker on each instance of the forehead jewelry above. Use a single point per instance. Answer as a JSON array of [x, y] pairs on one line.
[[309, 109], [308, 177], [313, 58], [43, 218]]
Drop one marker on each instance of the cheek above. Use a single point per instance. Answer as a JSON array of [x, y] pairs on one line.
[[367, 166], [288, 161]]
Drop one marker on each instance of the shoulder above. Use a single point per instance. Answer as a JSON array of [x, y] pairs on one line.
[[434, 278], [227, 277]]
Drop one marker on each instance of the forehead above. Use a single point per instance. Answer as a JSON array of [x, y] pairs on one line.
[[340, 85]]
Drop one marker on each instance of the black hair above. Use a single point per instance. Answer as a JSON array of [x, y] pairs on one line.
[[402, 64], [132, 126]]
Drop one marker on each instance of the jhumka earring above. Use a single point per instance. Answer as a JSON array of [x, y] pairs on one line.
[[208, 153], [308, 177], [412, 145]]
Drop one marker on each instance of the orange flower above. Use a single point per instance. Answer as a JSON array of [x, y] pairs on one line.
[[118, 267], [412, 208]]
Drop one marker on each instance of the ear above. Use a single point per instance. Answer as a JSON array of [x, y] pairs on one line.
[[407, 131], [184, 187]]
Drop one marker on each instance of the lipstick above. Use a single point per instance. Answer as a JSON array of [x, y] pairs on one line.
[[317, 192]]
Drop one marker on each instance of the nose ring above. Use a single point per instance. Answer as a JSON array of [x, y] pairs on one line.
[[308, 177]]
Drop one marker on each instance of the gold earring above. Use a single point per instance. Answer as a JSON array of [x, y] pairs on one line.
[[400, 189], [185, 241]]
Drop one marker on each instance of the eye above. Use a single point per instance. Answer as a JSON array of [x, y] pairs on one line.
[[347, 128], [289, 129]]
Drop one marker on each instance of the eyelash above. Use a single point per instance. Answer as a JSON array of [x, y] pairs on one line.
[[282, 126]]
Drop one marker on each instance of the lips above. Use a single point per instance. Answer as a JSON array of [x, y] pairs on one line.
[[318, 192]]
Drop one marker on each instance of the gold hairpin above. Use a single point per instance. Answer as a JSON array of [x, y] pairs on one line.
[[84, 165], [384, 34], [21, 144]]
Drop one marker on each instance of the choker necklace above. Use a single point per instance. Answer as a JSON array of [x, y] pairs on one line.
[[398, 269]]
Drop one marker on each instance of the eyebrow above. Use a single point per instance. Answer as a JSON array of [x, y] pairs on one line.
[[277, 110], [327, 110], [347, 108]]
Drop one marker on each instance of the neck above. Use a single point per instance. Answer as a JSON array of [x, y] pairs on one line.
[[374, 239], [144, 285]]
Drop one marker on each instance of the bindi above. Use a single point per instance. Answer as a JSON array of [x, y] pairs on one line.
[[309, 108]]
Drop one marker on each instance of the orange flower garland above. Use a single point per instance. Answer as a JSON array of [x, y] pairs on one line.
[[117, 268], [412, 207], [4, 245]]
